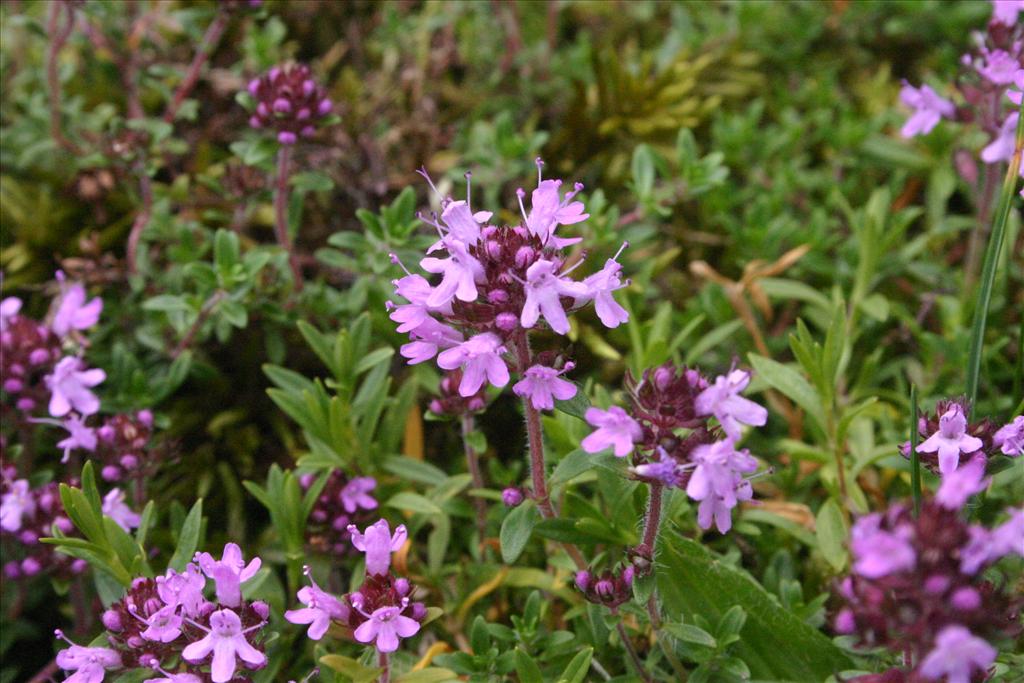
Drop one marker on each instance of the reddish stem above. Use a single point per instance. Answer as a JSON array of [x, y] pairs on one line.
[[473, 463], [284, 155], [58, 38], [210, 40]]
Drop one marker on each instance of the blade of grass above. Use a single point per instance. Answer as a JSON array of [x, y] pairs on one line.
[[988, 269], [915, 458]]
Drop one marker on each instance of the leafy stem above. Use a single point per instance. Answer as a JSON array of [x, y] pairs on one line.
[[473, 463]]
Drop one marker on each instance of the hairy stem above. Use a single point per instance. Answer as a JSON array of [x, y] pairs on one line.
[[535, 439], [141, 218], [193, 330], [473, 463], [210, 40], [633, 656], [384, 663], [915, 457], [652, 522], [58, 38], [663, 641], [284, 156]]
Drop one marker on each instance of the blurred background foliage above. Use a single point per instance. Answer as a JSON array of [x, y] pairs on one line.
[[747, 150]]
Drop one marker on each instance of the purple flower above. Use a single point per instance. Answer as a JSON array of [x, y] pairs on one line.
[[928, 108], [385, 626], [416, 313], [184, 589], [1005, 11], [430, 337], [1001, 147], [600, 286], [226, 640], [951, 439], [378, 543], [9, 308], [543, 385], [1010, 438], [666, 470], [115, 508], [962, 483], [229, 573], [999, 66], [718, 483], [479, 357], [73, 313], [15, 505], [1016, 94], [878, 553], [356, 494], [320, 608], [168, 677], [615, 428], [460, 272], [79, 436], [548, 211], [164, 625], [543, 291], [511, 496], [722, 400], [70, 384], [88, 663], [463, 224], [956, 655]]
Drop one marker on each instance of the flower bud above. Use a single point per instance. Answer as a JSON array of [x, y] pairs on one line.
[[110, 473], [583, 580], [525, 256], [845, 623], [112, 621], [506, 321], [512, 496], [604, 588], [38, 356], [30, 566], [13, 385], [28, 537], [497, 296], [402, 587], [262, 609], [25, 404], [129, 461], [965, 599], [145, 417], [418, 611], [12, 570], [627, 575]]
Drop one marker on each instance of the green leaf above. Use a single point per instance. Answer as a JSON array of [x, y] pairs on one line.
[[776, 644], [688, 633], [351, 668], [831, 533], [406, 500], [188, 538], [578, 667], [571, 466], [792, 384], [526, 668], [431, 674], [516, 529], [575, 406]]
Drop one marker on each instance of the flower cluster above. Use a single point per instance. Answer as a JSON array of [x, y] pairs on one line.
[[669, 433], [916, 586], [609, 588], [948, 440], [381, 611], [497, 283], [26, 515], [342, 502], [168, 622], [450, 402], [288, 101], [992, 79]]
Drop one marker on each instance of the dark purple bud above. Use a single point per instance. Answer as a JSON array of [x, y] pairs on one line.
[[12, 570], [525, 256], [30, 566], [475, 404], [16, 369], [308, 87], [254, 122], [340, 523], [512, 496], [112, 621], [152, 605], [308, 131], [662, 377], [106, 433], [254, 87], [583, 580], [302, 114], [324, 107], [286, 137], [418, 611], [627, 575], [493, 248], [306, 480], [138, 582], [28, 537], [506, 321], [25, 404], [282, 106], [965, 599], [129, 461], [38, 356], [845, 622], [145, 417], [13, 385], [436, 407], [319, 516], [64, 524], [262, 609], [262, 111], [402, 587], [936, 584], [135, 641], [497, 296], [604, 588]]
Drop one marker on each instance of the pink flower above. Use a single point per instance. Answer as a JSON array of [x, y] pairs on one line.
[[460, 274], [16, 504], [600, 286], [951, 440], [73, 313], [548, 211], [962, 483], [1010, 438], [386, 625], [378, 543], [229, 573], [88, 663], [878, 553], [718, 482], [428, 339], [543, 385], [999, 66], [356, 494], [9, 308], [463, 224], [416, 313], [70, 384], [1001, 147], [722, 400], [164, 625], [185, 589], [928, 108], [665, 469], [320, 608], [115, 508], [1016, 93], [479, 357], [1005, 11], [79, 436], [226, 640], [543, 291], [615, 429], [956, 655]]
